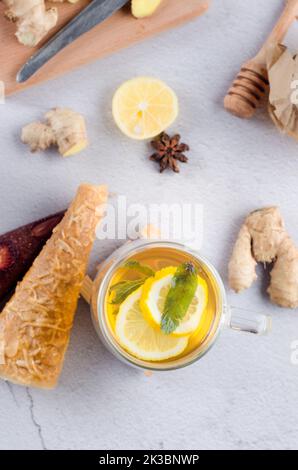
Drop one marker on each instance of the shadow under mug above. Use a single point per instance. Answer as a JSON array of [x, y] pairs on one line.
[[95, 293]]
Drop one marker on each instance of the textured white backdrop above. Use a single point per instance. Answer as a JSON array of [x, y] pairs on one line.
[[243, 394]]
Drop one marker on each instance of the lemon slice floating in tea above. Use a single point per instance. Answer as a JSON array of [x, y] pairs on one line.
[[138, 337], [154, 293], [144, 107]]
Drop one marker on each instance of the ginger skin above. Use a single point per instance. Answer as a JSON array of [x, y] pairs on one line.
[[63, 127], [32, 18], [144, 8], [263, 239]]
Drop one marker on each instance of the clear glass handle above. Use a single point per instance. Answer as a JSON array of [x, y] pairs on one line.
[[249, 322]]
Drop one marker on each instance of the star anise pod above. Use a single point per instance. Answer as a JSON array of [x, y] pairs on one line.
[[169, 151]]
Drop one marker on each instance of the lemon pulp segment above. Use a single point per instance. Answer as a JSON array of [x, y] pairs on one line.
[[138, 337], [144, 107]]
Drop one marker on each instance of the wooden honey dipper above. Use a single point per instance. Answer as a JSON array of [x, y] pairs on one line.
[[251, 84]]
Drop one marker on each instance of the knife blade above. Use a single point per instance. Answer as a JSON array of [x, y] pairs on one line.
[[95, 13]]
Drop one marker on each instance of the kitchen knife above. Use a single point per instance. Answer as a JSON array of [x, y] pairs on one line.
[[95, 13]]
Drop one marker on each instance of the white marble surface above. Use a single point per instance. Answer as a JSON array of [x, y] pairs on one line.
[[243, 394]]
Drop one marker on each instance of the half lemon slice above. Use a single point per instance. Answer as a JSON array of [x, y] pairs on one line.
[[154, 293], [144, 107], [138, 337]]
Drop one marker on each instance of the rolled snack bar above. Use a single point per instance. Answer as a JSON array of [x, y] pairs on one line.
[[35, 324], [19, 248]]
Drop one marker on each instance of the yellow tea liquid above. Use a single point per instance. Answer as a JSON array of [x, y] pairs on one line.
[[158, 258]]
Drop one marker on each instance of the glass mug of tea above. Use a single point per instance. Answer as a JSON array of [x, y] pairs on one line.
[[127, 333]]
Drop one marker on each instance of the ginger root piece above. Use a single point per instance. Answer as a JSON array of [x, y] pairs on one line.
[[63, 127], [264, 239], [35, 324], [242, 267], [144, 8], [32, 18]]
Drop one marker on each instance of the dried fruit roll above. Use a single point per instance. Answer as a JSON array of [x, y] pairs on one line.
[[19, 248], [35, 324]]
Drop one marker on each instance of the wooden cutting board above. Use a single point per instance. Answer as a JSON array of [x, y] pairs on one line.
[[119, 31]]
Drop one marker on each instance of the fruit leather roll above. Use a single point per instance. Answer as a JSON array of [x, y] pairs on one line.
[[35, 324], [19, 248]]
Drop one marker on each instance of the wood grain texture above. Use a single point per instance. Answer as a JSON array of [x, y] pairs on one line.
[[119, 31]]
